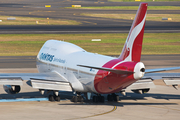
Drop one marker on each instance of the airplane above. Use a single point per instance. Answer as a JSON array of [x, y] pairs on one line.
[[65, 66]]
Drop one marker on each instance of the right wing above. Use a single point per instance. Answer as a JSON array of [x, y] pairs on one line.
[[146, 82], [168, 78]]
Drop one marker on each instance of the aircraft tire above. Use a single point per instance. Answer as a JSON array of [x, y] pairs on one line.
[[51, 98], [74, 99], [101, 99], [80, 99], [57, 98], [110, 98], [95, 99], [115, 98]]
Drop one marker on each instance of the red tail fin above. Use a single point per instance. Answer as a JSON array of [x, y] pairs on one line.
[[133, 46]]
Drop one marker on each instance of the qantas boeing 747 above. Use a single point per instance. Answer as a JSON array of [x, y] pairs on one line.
[[64, 66]]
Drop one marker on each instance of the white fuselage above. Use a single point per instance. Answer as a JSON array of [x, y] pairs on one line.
[[63, 58]]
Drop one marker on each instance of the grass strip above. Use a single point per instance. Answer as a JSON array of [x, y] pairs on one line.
[[110, 44], [35, 21]]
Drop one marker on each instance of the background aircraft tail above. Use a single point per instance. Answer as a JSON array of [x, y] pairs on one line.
[[133, 46]]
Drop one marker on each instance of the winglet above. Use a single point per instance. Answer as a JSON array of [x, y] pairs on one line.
[[133, 45]]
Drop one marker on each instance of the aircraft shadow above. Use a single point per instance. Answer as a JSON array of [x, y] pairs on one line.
[[129, 96], [119, 104], [36, 94]]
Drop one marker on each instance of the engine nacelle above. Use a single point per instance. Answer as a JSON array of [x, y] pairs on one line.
[[141, 91], [12, 89]]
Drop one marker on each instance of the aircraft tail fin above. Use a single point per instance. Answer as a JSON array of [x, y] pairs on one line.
[[133, 46]]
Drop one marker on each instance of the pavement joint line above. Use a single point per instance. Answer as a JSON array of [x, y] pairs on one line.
[[114, 108], [164, 107]]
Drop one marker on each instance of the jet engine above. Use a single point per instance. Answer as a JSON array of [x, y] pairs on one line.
[[12, 89]]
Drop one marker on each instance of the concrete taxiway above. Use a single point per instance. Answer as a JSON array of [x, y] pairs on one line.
[[161, 103]]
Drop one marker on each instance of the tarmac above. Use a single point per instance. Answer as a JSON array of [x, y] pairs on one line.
[[160, 103]]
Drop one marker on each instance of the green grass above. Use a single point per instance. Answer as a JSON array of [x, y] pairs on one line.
[[150, 17], [131, 7], [32, 21], [111, 44]]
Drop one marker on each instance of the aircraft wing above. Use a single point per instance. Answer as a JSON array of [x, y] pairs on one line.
[[147, 81], [161, 69], [168, 78], [48, 81]]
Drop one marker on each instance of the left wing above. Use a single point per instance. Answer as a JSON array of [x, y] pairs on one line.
[[49, 81]]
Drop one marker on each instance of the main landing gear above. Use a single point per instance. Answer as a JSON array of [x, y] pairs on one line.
[[98, 98], [77, 98], [113, 97], [54, 97]]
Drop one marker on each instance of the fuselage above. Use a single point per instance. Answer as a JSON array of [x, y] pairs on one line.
[[63, 58]]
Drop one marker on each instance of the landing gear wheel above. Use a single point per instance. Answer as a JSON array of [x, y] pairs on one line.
[[51, 98], [80, 99], [95, 99], [101, 99], [57, 98], [117, 98], [110, 98], [74, 99]]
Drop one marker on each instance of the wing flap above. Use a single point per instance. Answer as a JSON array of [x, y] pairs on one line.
[[51, 84], [141, 84], [11, 81], [172, 81]]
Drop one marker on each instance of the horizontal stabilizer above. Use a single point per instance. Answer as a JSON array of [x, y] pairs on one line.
[[161, 69], [108, 69]]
